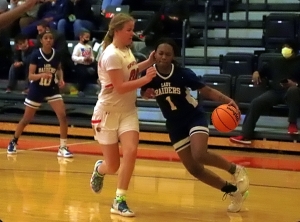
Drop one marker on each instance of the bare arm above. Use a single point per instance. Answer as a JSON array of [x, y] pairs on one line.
[[144, 65], [34, 77], [147, 63], [60, 73], [8, 17], [215, 95], [116, 77]]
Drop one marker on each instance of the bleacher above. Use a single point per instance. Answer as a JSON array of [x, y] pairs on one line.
[[241, 31]]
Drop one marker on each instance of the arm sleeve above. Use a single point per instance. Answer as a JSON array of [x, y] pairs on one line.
[[92, 53], [76, 55], [192, 80]]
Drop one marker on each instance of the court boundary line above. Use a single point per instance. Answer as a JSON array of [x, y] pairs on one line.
[[48, 147]]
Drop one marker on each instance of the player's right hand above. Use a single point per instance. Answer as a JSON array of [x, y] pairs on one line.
[[150, 73], [46, 76]]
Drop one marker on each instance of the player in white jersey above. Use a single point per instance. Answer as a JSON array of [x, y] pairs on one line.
[[114, 58], [115, 115]]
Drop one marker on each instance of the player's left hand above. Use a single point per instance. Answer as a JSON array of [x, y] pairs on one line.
[[61, 83], [232, 103]]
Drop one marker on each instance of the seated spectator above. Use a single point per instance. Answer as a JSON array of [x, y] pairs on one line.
[[284, 77], [8, 17], [106, 3], [60, 44], [50, 12], [30, 16], [166, 21], [85, 66], [79, 16], [19, 69]]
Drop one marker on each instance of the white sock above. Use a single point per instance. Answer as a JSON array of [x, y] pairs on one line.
[[63, 142], [121, 193]]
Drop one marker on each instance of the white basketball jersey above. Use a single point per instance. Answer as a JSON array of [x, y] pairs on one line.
[[114, 58]]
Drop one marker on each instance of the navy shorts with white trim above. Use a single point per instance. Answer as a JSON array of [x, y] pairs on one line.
[[180, 134], [37, 95]]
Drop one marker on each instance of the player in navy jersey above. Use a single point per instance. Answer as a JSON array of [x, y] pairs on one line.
[[187, 124], [45, 76]]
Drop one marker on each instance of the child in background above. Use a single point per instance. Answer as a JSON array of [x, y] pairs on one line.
[[83, 58], [20, 66]]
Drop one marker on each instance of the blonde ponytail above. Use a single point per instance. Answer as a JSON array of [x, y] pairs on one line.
[[115, 24], [108, 38]]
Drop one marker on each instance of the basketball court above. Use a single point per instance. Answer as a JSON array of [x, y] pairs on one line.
[[37, 186]]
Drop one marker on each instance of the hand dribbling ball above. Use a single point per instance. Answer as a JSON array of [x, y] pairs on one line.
[[225, 118]]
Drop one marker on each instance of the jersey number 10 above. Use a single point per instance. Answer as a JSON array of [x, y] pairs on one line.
[[45, 82]]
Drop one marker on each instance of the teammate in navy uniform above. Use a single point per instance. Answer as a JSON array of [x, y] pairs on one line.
[[187, 124], [45, 76]]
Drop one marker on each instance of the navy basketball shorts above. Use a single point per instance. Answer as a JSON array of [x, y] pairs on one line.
[[37, 95], [181, 132]]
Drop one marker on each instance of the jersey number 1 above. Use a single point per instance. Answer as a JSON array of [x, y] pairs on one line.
[[188, 97], [45, 82], [173, 107]]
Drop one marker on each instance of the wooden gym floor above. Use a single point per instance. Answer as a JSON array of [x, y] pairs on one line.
[[37, 186]]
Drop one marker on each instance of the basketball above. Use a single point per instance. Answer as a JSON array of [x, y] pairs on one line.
[[225, 118]]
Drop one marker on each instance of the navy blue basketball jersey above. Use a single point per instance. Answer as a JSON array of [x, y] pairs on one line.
[[172, 93], [45, 63]]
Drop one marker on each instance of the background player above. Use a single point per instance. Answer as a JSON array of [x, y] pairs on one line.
[[46, 76], [186, 122], [115, 115]]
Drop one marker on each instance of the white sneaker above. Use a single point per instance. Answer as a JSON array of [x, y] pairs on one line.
[[241, 179], [64, 152], [120, 207], [237, 199]]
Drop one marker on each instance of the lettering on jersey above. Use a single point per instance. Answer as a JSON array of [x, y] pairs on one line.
[[133, 74], [47, 68], [166, 88], [234, 113], [131, 64]]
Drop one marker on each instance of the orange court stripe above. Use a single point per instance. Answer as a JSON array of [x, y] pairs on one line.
[[159, 154]]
